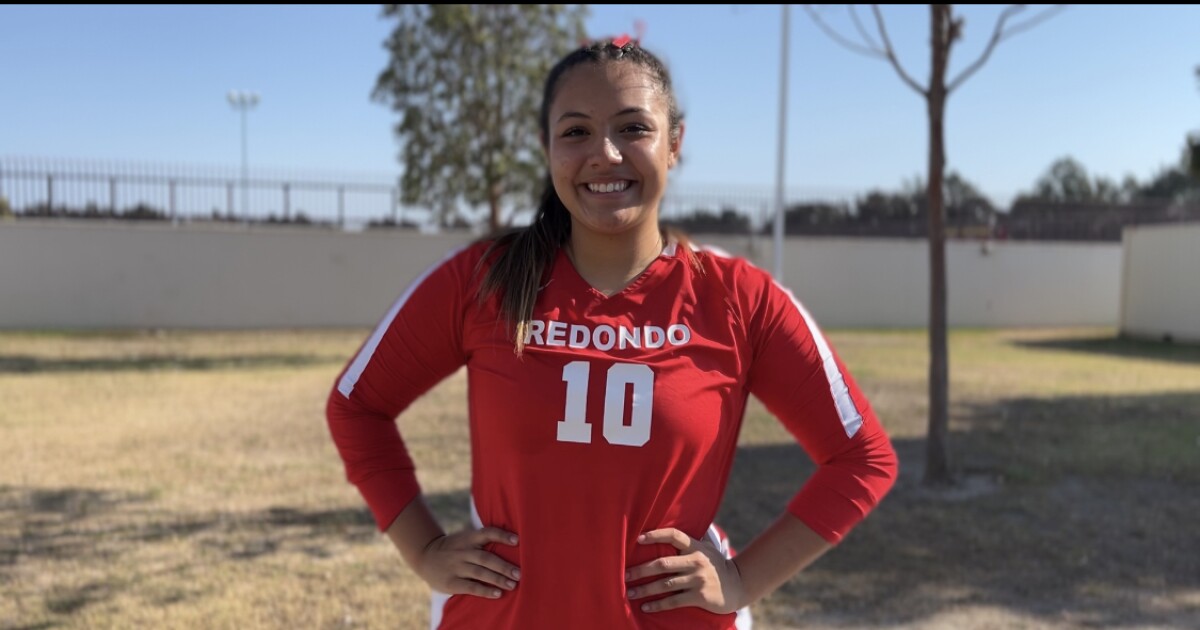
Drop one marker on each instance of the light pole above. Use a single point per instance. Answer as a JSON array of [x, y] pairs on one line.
[[782, 148], [244, 101]]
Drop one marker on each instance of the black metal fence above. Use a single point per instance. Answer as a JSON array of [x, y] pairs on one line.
[[44, 187], [95, 189], [39, 187]]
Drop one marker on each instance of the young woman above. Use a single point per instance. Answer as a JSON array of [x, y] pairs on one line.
[[609, 364]]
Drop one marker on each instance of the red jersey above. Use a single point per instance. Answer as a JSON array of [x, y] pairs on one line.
[[621, 417]]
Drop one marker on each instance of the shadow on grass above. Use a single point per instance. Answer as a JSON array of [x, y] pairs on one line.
[[90, 527], [1086, 516], [1081, 511], [1119, 347], [23, 364], [75, 523]]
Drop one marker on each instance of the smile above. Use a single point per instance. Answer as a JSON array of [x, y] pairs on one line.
[[611, 187]]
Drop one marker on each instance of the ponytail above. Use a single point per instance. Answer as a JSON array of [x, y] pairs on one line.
[[518, 271], [526, 254]]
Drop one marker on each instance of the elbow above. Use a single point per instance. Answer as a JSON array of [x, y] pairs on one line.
[[887, 466], [879, 465]]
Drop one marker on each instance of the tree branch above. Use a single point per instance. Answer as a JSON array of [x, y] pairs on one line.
[[863, 50], [858, 25], [1033, 21], [999, 34], [891, 54]]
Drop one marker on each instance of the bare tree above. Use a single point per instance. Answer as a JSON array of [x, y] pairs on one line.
[[945, 29]]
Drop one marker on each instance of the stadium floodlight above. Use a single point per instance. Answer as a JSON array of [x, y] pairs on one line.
[[244, 101]]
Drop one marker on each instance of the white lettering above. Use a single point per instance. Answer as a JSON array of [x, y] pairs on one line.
[[579, 336], [654, 336], [631, 337], [604, 329], [535, 329], [605, 337], [557, 334]]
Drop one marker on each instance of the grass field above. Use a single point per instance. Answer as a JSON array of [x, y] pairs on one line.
[[187, 480]]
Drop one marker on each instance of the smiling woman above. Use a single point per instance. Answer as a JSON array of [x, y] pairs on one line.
[[609, 364], [614, 136]]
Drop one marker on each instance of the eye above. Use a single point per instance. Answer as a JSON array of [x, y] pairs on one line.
[[573, 132], [636, 129]]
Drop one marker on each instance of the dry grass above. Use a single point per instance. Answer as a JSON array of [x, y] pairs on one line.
[[182, 480]]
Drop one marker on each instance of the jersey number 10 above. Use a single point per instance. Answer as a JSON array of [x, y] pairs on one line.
[[575, 427]]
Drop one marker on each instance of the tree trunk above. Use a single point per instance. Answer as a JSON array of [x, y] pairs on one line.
[[494, 204], [937, 468]]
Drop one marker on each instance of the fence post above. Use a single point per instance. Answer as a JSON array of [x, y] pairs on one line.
[[171, 188], [229, 200], [395, 207], [287, 203], [342, 207], [50, 194], [112, 195]]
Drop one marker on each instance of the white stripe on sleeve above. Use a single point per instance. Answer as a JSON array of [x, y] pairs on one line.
[[847, 412], [350, 378], [849, 415]]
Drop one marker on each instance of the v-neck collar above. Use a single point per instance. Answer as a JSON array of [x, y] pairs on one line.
[[657, 267]]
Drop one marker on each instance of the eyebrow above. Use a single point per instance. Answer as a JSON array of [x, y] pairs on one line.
[[627, 110]]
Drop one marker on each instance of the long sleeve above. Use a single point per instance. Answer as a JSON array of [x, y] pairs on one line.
[[417, 344], [801, 380]]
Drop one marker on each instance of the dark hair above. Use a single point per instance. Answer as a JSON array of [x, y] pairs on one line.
[[518, 270]]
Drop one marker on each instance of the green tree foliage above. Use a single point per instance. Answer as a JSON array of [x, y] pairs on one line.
[[964, 203], [879, 206], [1067, 181], [1172, 183], [466, 81], [798, 216], [1193, 156], [1193, 148], [727, 221]]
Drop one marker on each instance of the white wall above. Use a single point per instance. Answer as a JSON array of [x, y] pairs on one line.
[[848, 282], [117, 275], [122, 275], [1161, 294]]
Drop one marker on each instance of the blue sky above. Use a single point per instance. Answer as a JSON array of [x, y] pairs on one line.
[[1112, 86]]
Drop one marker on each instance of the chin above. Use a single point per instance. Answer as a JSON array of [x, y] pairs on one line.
[[615, 222]]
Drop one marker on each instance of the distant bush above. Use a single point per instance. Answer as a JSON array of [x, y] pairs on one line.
[[390, 223], [728, 221]]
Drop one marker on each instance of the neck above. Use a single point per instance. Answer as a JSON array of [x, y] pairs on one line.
[[609, 263]]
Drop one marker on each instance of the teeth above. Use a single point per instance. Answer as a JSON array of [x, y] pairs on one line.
[[608, 188]]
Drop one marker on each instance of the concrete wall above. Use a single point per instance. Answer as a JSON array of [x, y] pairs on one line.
[[1161, 286], [117, 275], [122, 275], [847, 282]]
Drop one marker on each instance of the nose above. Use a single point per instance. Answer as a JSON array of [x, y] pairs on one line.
[[609, 151]]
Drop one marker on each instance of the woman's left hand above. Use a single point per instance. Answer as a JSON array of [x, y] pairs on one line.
[[700, 575]]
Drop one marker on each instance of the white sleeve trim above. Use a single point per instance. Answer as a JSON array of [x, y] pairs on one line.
[[354, 372], [847, 412]]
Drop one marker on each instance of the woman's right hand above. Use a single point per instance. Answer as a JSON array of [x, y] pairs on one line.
[[457, 564]]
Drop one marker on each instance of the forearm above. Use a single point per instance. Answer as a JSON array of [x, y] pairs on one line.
[[454, 564], [413, 530], [777, 554]]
